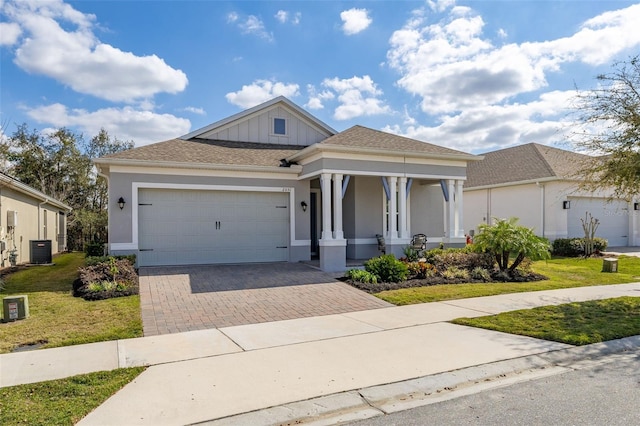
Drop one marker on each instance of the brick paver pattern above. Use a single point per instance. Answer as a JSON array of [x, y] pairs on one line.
[[185, 298]]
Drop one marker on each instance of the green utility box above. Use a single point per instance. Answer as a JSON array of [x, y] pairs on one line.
[[15, 308], [610, 264]]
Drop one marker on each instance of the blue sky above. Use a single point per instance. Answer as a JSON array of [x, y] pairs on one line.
[[470, 75]]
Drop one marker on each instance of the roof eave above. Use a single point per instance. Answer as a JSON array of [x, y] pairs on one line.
[[294, 169], [379, 151], [26, 189], [517, 182]]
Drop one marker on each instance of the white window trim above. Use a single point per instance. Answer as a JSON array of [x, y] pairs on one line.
[[273, 127]]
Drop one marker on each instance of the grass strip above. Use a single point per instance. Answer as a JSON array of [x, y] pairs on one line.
[[578, 324], [562, 273], [63, 401], [59, 319]]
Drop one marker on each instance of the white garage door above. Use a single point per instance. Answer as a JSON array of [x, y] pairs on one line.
[[185, 227], [613, 216]]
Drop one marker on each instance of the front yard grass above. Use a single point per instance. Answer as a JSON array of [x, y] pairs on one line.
[[63, 401], [59, 319], [562, 273], [572, 323]]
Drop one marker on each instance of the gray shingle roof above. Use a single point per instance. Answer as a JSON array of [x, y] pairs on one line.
[[524, 163], [363, 137], [217, 152], [210, 152]]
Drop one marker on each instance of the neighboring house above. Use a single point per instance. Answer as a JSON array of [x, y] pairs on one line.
[[26, 216], [538, 184], [273, 183]]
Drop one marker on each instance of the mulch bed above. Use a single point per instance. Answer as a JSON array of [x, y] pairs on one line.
[[518, 277]]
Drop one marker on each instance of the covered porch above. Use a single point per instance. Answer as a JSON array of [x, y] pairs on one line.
[[350, 210]]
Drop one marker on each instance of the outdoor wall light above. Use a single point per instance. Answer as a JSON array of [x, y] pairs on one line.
[[566, 205], [121, 203], [303, 204], [636, 206]]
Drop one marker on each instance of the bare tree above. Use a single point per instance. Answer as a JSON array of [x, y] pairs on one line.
[[608, 124]]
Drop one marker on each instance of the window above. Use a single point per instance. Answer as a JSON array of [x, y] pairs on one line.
[[279, 126]]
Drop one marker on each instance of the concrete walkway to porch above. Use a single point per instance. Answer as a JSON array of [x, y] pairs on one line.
[[187, 298]]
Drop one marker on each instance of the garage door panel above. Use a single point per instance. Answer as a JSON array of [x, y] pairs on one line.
[[613, 217], [180, 227]]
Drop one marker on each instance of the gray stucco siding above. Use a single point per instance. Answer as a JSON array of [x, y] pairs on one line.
[[382, 167], [121, 185]]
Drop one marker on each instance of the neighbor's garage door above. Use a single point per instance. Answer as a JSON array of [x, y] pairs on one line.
[[613, 217], [183, 227]]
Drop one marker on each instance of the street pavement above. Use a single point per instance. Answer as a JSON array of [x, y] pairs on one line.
[[328, 369]]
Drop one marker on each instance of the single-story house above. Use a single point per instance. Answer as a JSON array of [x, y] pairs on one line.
[[274, 183], [29, 220], [539, 185]]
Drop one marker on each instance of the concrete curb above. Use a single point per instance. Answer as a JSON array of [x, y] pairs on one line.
[[384, 399]]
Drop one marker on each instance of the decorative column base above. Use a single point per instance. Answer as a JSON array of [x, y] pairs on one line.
[[333, 255]]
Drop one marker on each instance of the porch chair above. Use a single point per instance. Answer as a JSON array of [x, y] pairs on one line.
[[382, 246], [419, 244]]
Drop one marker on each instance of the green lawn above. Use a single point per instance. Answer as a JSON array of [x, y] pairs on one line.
[[59, 319], [562, 273], [573, 323], [61, 402]]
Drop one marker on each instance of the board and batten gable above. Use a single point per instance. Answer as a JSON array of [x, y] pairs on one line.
[[258, 128]]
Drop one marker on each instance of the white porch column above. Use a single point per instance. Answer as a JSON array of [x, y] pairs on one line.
[[402, 207], [393, 206], [458, 214], [326, 206], [451, 219], [338, 233]]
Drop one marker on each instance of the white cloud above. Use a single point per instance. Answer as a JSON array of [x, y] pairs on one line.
[[282, 16], [195, 110], [453, 67], [358, 96], [77, 58], [9, 33], [490, 127], [261, 91], [142, 127], [316, 100], [250, 25], [355, 20]]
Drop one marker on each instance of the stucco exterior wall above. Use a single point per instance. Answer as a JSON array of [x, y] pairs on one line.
[[426, 210], [122, 185], [526, 202], [31, 225]]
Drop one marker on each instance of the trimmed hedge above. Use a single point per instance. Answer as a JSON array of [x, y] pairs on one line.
[[574, 247]]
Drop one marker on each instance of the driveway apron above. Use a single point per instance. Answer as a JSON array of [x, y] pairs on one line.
[[186, 298]]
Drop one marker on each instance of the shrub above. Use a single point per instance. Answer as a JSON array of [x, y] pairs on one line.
[[454, 273], [387, 268], [94, 249], [113, 278], [94, 260], [463, 258], [505, 238], [361, 276], [411, 254], [574, 247], [480, 274], [421, 270]]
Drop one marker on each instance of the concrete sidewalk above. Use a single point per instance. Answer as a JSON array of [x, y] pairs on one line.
[[201, 376]]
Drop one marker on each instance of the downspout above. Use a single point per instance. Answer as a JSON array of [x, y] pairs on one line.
[[542, 207], [99, 170], [39, 220]]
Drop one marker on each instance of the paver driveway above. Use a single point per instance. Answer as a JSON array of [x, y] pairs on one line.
[[185, 298]]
